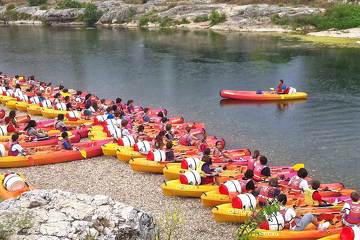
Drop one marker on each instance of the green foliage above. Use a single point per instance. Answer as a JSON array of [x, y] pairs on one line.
[[202, 18], [11, 224], [169, 225], [10, 7], [246, 231], [91, 15], [135, 1], [37, 2], [340, 16], [184, 21], [13, 15], [216, 17], [43, 7], [150, 17], [165, 22], [63, 4]]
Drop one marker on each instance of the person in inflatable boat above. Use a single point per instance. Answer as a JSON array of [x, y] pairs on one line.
[[15, 148], [351, 211], [298, 184], [286, 219]]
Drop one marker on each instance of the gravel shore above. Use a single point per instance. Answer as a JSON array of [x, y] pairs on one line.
[[111, 177]]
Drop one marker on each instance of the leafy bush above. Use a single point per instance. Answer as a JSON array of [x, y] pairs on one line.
[[10, 7], [184, 21], [91, 15], [216, 17], [43, 7], [150, 17], [340, 16], [37, 2], [63, 4], [202, 18]]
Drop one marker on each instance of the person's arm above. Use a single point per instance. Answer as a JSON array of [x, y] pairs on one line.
[[67, 145]]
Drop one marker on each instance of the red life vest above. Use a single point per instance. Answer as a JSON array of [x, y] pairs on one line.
[[295, 184], [353, 217], [258, 167], [11, 152]]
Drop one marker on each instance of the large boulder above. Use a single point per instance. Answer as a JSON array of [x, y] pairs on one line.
[[54, 214], [62, 15]]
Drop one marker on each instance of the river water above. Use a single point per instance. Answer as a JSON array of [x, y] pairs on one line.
[[184, 71]]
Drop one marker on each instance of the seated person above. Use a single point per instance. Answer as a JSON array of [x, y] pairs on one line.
[[59, 124], [15, 149], [351, 211], [261, 170], [32, 132]]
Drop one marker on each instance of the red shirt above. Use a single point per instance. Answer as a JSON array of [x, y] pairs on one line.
[[279, 88]]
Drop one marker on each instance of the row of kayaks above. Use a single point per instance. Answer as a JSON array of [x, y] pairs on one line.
[[182, 178]]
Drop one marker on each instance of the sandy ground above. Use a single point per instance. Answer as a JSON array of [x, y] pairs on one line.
[[109, 176]]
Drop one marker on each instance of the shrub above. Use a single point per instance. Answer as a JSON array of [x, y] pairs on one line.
[[184, 21], [37, 2], [91, 15], [167, 22], [43, 7], [341, 16], [150, 17], [63, 4], [202, 18], [10, 7], [216, 17]]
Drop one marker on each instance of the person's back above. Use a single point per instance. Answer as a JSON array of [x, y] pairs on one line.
[[351, 211], [169, 153], [66, 142], [261, 171], [298, 183], [15, 148], [312, 196]]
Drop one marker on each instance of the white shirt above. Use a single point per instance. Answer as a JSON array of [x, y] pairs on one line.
[[125, 132], [303, 183], [17, 147]]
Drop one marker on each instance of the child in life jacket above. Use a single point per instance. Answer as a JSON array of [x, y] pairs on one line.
[[159, 140], [218, 151], [261, 171], [59, 124], [312, 196], [351, 211], [140, 134], [118, 102], [15, 148], [169, 134], [145, 116], [34, 133], [254, 158], [291, 221], [169, 152], [247, 182], [10, 119], [65, 142], [124, 130], [298, 184], [266, 193]]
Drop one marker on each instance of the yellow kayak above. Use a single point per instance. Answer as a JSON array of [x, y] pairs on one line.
[[125, 155], [331, 237], [144, 165], [226, 213], [175, 188], [21, 106], [110, 149], [173, 172], [34, 109], [52, 113], [11, 104], [4, 99], [214, 198]]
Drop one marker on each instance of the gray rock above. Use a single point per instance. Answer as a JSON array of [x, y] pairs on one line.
[[64, 215]]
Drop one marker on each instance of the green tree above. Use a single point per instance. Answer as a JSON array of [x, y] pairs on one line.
[[91, 15]]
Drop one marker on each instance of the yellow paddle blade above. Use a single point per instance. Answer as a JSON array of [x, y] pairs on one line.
[[83, 153], [297, 166]]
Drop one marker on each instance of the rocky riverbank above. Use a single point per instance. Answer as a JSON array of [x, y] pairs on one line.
[[195, 14]]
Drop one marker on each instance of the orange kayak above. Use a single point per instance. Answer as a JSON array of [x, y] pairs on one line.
[[5, 194]]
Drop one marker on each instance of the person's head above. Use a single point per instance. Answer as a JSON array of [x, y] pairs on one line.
[[249, 174], [118, 100], [31, 124], [114, 107], [57, 95], [206, 158], [16, 76], [117, 114], [17, 86], [78, 92], [168, 127], [39, 94], [219, 145], [169, 145], [102, 101], [67, 98], [281, 81], [188, 129], [65, 90], [64, 135], [263, 160], [68, 106], [354, 196], [160, 114], [61, 117], [14, 137], [61, 87], [273, 182], [129, 102], [146, 110], [140, 128], [88, 96], [302, 173], [124, 123], [207, 151], [315, 184], [108, 109], [250, 186], [282, 199], [256, 154], [12, 113]]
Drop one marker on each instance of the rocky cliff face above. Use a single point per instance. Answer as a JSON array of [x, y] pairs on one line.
[[54, 214], [184, 13]]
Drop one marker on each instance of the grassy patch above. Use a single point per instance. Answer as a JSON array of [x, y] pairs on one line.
[[202, 18], [216, 17], [64, 4], [340, 16], [330, 41], [37, 2]]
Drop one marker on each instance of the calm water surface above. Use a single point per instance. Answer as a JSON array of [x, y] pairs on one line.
[[184, 71]]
